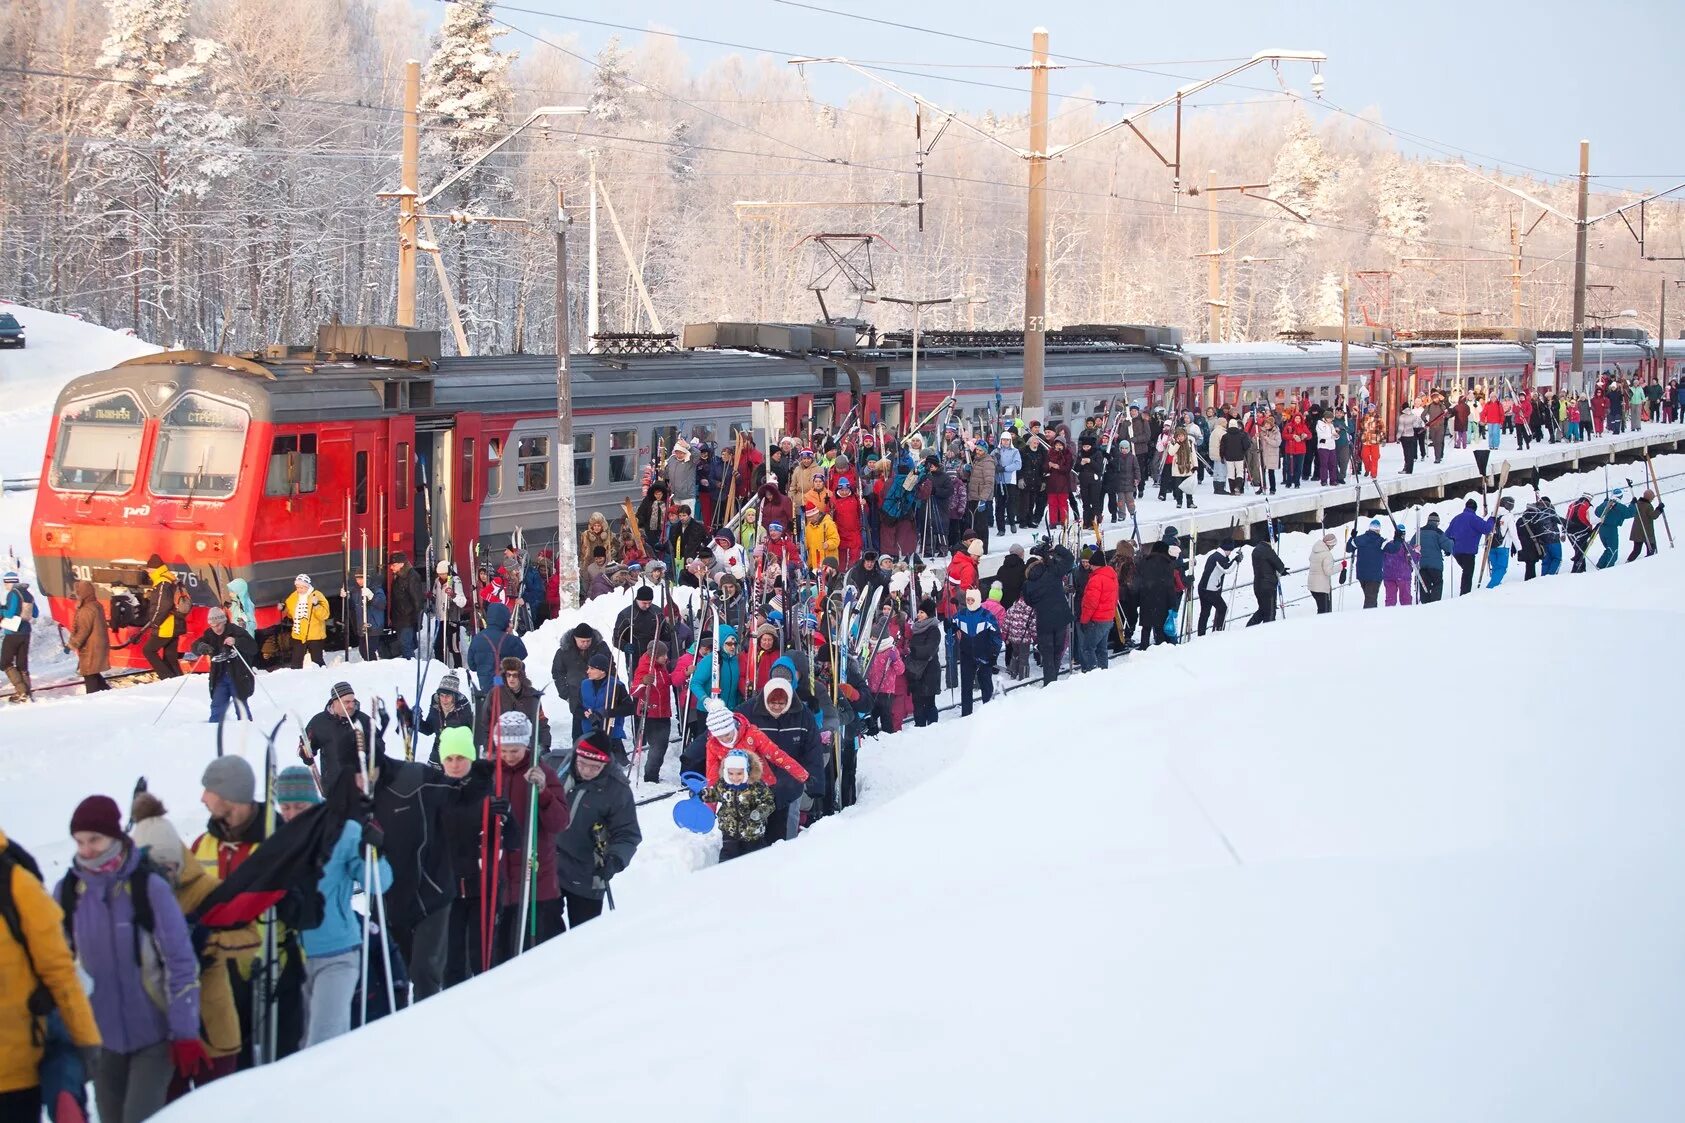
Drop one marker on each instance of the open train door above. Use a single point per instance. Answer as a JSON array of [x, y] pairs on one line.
[[432, 505]]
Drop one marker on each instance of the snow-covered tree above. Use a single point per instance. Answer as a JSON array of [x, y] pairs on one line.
[[1401, 204], [1327, 306], [466, 85], [1304, 175], [611, 81]]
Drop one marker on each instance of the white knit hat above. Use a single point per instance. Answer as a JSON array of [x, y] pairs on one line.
[[514, 728], [722, 723]]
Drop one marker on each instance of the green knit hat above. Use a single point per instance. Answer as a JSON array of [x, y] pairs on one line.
[[296, 785], [456, 741]]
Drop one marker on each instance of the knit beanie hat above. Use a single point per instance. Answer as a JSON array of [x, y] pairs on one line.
[[600, 662], [776, 685], [98, 813], [231, 778], [722, 723], [513, 728], [597, 746], [294, 784], [996, 592], [153, 833], [456, 741], [975, 548], [451, 683]]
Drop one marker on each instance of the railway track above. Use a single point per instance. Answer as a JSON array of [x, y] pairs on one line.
[[72, 686]]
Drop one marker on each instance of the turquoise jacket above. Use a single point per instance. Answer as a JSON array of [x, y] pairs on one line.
[[341, 929]]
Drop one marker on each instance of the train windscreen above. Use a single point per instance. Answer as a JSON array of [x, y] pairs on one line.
[[99, 445], [200, 443]]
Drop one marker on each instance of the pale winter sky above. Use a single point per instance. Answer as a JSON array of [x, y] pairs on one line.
[[1502, 82]]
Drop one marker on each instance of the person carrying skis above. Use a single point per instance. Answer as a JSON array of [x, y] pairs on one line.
[[129, 936], [1267, 572], [162, 629], [1433, 546], [744, 804], [567, 667], [1465, 532], [1504, 541], [1098, 611], [307, 610], [604, 705], [601, 836], [449, 709], [333, 948], [528, 787], [490, 646], [1580, 524], [1216, 571], [340, 737], [1370, 564], [1319, 575], [368, 615], [653, 683], [779, 716], [1540, 530], [1644, 525], [1398, 567], [516, 694]]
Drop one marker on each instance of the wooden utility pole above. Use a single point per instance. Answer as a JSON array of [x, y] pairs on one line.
[[409, 191], [1577, 355], [1213, 261], [1515, 273], [1660, 366], [567, 538], [1035, 256], [593, 294]]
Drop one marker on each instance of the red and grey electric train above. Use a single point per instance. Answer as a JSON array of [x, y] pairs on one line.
[[264, 466]]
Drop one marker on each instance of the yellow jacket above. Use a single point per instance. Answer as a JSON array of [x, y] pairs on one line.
[[167, 623], [219, 1021], [43, 928], [821, 541], [315, 623]]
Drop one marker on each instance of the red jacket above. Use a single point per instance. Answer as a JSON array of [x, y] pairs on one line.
[[1294, 436], [847, 517], [1099, 596], [1058, 471], [552, 821], [652, 688], [962, 572], [752, 740], [780, 550], [1492, 413]]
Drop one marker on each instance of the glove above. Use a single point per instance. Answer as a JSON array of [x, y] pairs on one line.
[[500, 809], [373, 836], [368, 594], [189, 1057], [611, 867]]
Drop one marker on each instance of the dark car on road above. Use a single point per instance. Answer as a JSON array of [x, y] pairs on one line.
[[11, 332]]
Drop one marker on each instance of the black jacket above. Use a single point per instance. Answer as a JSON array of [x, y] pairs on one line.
[[687, 540], [1266, 564], [409, 594], [1235, 444], [568, 667], [464, 818], [635, 629], [412, 802], [334, 743], [223, 662], [602, 833], [1010, 578], [863, 580], [1155, 577], [436, 721], [1089, 448], [797, 733], [924, 668], [1044, 588]]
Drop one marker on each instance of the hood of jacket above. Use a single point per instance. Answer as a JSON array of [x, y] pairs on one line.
[[497, 617]]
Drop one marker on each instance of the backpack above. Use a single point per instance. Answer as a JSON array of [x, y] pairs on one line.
[[40, 1001], [1579, 514], [71, 887], [183, 603], [26, 607]]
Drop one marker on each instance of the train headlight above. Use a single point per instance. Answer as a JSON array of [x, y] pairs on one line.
[[200, 545]]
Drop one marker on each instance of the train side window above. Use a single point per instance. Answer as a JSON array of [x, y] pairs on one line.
[[292, 466], [362, 483], [401, 476], [1056, 411], [532, 464], [584, 459], [661, 439], [703, 433], [494, 467], [465, 482], [623, 455]]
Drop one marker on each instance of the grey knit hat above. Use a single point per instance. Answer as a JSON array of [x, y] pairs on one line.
[[513, 728], [231, 778]]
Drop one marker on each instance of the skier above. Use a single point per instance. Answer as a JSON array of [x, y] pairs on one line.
[[405, 602], [567, 667], [601, 836], [307, 610], [162, 629], [780, 717], [1465, 532], [333, 948], [1319, 578], [232, 652], [1503, 541], [979, 645], [449, 709], [603, 706], [339, 737], [1398, 568], [145, 992], [1580, 526], [490, 646], [368, 616], [1644, 522], [90, 638], [1098, 611], [1370, 568], [1267, 572], [1044, 589], [516, 694], [528, 787], [1540, 530], [1211, 579], [1157, 586], [1433, 546]]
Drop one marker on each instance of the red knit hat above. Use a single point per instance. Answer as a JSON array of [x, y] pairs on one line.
[[593, 746], [98, 813]]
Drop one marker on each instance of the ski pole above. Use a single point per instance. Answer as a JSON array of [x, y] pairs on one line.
[[173, 697]]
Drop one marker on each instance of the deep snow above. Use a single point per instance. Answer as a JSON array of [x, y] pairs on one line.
[[1257, 878]]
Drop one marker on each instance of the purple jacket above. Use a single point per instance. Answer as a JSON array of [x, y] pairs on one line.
[[1466, 531], [130, 1017], [1398, 561]]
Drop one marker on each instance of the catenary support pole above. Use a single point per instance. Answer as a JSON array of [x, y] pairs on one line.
[[567, 542], [1035, 250], [1577, 356], [410, 192]]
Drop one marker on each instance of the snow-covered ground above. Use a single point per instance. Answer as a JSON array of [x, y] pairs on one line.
[[1251, 878]]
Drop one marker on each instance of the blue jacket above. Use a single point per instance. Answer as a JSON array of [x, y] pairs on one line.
[[490, 646], [370, 614], [594, 695], [1010, 462], [1370, 561], [1613, 515], [14, 607], [979, 637], [532, 591], [1466, 531], [1435, 546], [702, 677], [341, 929]]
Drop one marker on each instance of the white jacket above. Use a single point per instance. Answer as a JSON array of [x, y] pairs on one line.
[[1327, 437], [1323, 566]]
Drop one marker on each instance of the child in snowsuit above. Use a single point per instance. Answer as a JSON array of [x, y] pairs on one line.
[[745, 804]]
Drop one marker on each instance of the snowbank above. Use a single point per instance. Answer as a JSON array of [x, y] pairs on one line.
[[1252, 879], [60, 348]]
